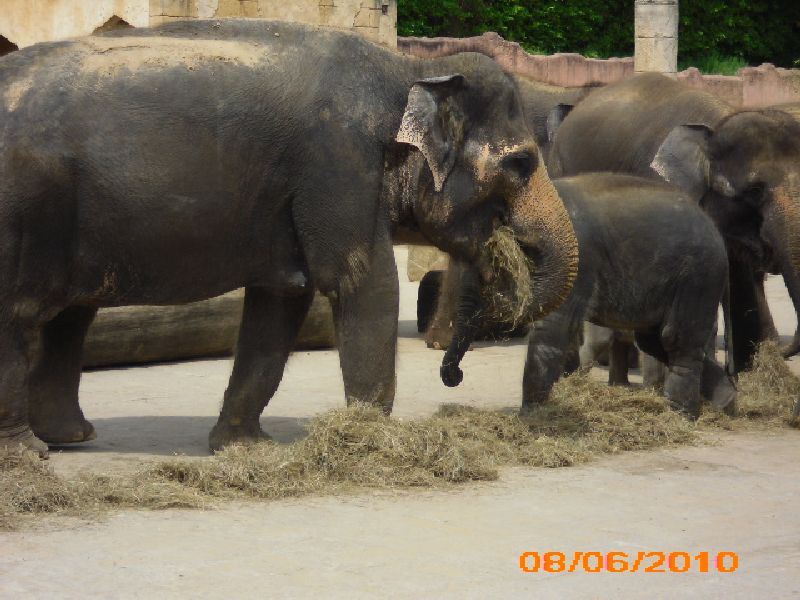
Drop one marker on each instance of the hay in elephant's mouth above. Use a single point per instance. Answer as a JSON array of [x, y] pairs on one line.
[[509, 299], [360, 448]]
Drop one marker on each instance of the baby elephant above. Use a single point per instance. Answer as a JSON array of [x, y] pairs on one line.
[[650, 261]]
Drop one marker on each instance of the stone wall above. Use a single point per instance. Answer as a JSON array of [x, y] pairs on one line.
[[26, 22], [765, 85]]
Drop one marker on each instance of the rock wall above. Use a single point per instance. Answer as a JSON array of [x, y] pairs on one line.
[[765, 85], [26, 22]]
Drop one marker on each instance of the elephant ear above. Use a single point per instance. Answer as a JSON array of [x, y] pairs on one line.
[[557, 115], [683, 161], [432, 124]]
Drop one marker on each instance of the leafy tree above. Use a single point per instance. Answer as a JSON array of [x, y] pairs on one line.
[[749, 30]]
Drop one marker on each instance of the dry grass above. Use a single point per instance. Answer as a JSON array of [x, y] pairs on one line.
[[510, 298], [768, 395], [359, 447]]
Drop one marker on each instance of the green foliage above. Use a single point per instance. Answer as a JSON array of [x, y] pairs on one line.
[[748, 31], [715, 64]]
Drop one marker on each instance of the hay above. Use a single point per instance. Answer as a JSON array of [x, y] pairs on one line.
[[509, 299], [768, 394], [360, 448]]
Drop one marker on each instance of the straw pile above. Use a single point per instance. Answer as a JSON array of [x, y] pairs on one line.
[[359, 447]]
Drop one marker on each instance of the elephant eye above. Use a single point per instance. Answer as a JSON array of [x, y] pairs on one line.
[[522, 163]]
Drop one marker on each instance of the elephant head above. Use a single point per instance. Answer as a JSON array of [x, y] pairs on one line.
[[478, 168], [745, 171]]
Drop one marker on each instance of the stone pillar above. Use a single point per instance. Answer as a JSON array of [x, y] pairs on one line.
[[656, 36]]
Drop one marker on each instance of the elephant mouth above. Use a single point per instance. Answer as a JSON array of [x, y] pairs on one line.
[[507, 273]]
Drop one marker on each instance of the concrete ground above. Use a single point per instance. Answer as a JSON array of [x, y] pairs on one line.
[[739, 495]]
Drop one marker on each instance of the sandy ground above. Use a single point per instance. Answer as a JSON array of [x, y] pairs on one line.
[[738, 495]]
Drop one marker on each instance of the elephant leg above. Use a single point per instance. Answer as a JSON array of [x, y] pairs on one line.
[[595, 345], [653, 371], [682, 383], [618, 360], [718, 388], [440, 331], [55, 414], [746, 321], [15, 340], [653, 359], [428, 299], [366, 331], [767, 325], [548, 346], [269, 329]]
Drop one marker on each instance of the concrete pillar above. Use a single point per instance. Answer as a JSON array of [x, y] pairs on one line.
[[656, 36]]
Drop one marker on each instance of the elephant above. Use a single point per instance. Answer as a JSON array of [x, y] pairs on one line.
[[438, 291], [665, 284], [611, 348], [176, 164], [742, 166]]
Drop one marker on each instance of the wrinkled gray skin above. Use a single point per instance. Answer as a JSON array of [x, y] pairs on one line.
[[170, 165], [542, 104], [743, 167], [665, 284]]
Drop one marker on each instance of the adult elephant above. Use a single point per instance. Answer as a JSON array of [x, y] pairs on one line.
[[438, 294], [161, 170], [743, 166]]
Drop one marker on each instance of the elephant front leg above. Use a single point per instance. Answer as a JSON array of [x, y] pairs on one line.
[[270, 325], [548, 346], [365, 317], [15, 429], [55, 414]]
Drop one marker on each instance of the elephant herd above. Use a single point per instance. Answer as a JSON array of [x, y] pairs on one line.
[[679, 202], [172, 164]]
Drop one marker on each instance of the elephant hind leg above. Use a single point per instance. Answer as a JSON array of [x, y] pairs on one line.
[[718, 388], [55, 414], [618, 355], [269, 330], [682, 383]]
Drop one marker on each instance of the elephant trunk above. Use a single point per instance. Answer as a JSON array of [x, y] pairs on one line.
[[782, 222], [542, 225]]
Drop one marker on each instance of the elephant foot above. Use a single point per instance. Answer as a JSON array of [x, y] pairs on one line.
[[528, 409], [13, 438], [724, 400], [53, 427], [689, 410], [227, 433]]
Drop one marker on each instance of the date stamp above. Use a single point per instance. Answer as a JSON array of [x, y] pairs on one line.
[[628, 562]]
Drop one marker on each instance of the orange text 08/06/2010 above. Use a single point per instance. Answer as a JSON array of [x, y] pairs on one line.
[[628, 562]]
